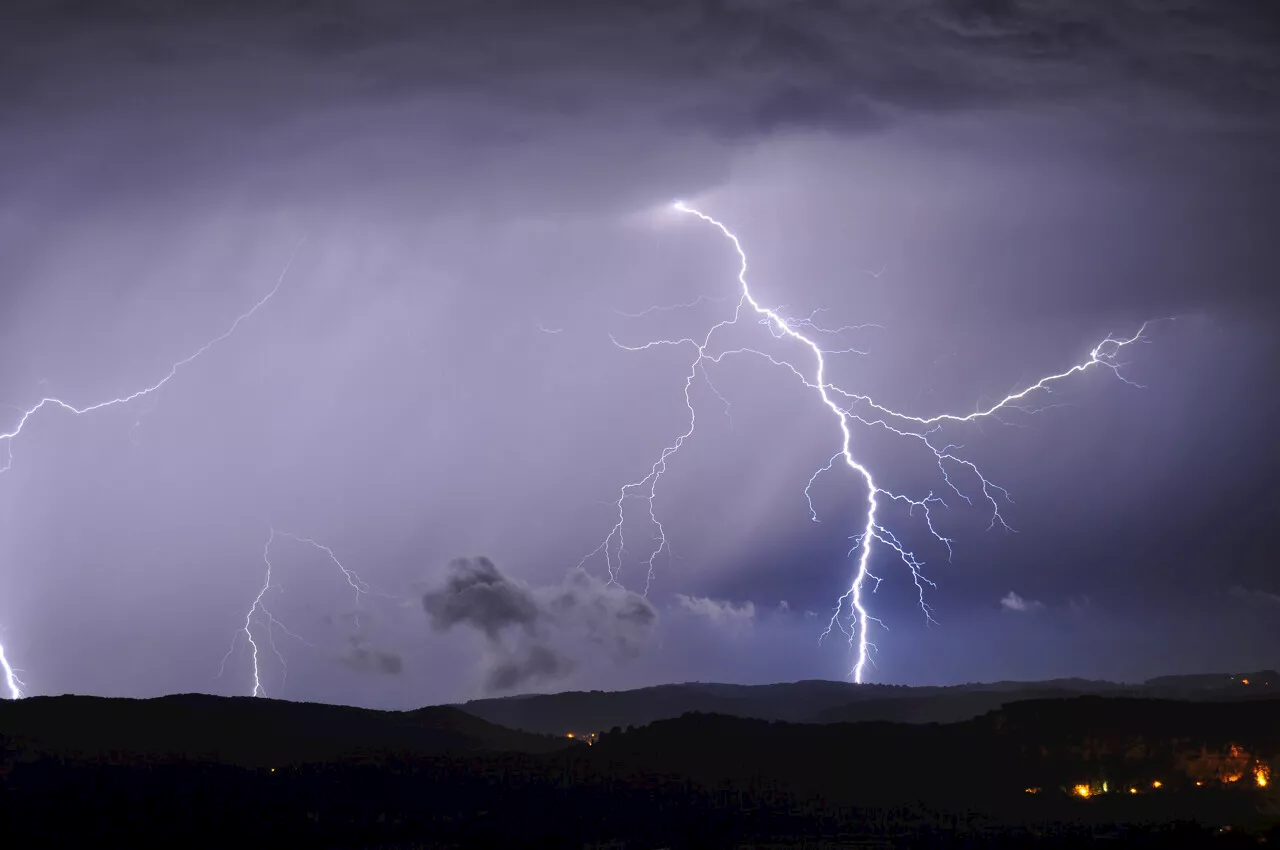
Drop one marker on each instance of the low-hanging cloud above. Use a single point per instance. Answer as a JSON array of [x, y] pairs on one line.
[[536, 663], [540, 634], [364, 658], [479, 595]]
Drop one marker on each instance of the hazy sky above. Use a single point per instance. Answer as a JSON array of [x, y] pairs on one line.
[[434, 392]]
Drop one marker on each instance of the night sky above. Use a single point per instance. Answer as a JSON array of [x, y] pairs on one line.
[[477, 194]]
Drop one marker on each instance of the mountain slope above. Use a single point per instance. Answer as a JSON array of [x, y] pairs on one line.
[[244, 731], [818, 701]]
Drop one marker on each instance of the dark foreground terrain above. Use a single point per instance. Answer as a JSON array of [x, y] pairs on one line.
[[241, 772]]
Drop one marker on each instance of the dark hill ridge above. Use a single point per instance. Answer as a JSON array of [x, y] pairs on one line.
[[819, 701], [1050, 745], [245, 731], [191, 767]]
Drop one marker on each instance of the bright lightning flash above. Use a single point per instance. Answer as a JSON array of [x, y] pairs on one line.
[[6, 438], [269, 623], [847, 408]]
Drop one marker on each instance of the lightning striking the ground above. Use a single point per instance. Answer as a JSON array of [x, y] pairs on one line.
[[14, 684], [847, 409], [268, 623]]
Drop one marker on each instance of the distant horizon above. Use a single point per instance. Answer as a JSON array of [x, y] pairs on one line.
[[853, 685]]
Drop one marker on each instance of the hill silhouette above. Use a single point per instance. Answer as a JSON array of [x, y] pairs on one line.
[[245, 731], [265, 772], [820, 701]]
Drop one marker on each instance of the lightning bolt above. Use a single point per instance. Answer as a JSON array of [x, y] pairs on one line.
[[6, 438], [11, 680], [269, 623], [847, 409]]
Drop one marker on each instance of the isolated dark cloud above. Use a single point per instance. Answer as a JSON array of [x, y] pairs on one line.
[[538, 634], [477, 594]]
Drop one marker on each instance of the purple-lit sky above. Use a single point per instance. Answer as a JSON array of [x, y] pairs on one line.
[[484, 191]]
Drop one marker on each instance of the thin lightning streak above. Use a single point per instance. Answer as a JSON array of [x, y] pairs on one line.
[[259, 611], [247, 628], [7, 438], [11, 680], [667, 308], [843, 406]]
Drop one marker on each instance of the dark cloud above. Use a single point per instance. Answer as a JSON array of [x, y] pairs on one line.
[[477, 594], [527, 665], [361, 657], [357, 89], [553, 625]]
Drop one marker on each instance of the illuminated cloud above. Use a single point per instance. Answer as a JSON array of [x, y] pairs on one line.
[[718, 611], [1013, 602]]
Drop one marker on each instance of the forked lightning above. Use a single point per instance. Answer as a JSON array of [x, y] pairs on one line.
[[850, 615], [269, 623]]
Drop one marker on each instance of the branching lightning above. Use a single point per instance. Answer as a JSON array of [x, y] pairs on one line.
[[13, 683], [847, 408], [268, 623]]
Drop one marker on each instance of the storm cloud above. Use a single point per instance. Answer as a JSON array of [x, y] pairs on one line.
[[477, 594], [485, 189], [537, 634], [310, 99]]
